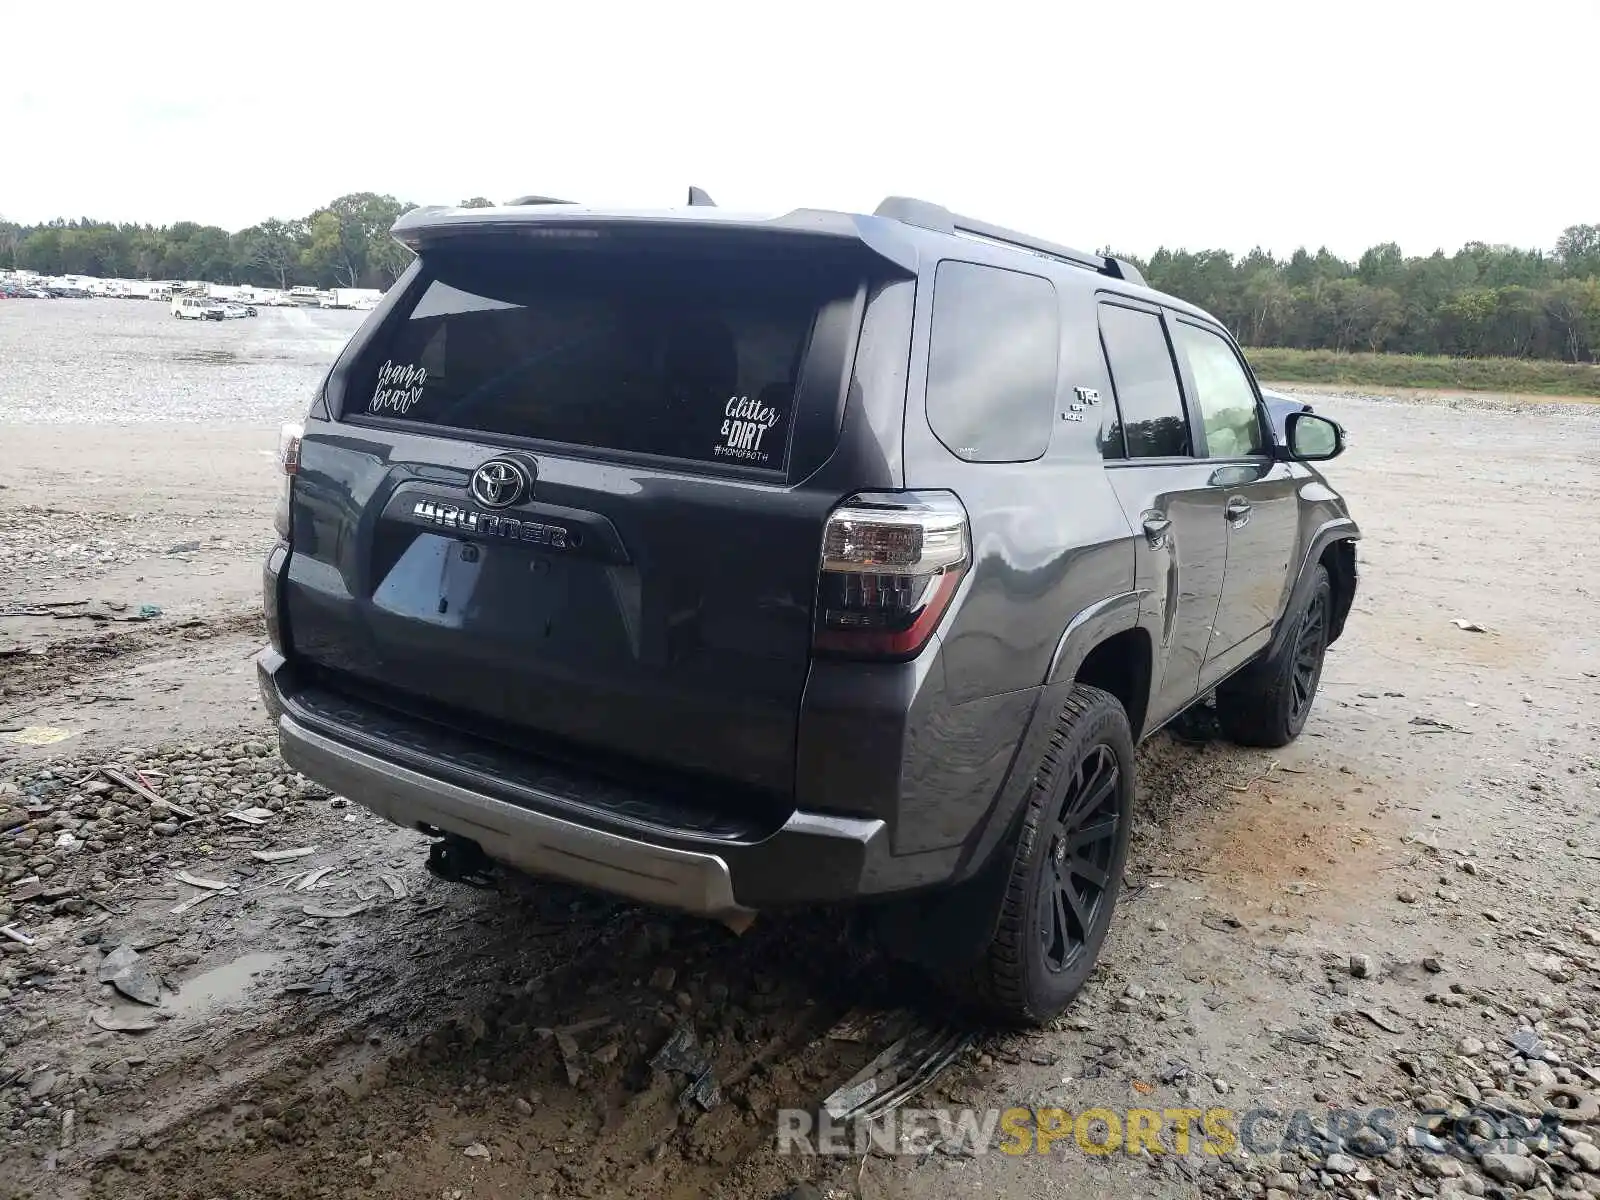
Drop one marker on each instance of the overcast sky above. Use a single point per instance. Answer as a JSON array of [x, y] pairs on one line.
[[1226, 124]]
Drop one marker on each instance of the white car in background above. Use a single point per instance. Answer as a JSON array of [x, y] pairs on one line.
[[1279, 407], [197, 308]]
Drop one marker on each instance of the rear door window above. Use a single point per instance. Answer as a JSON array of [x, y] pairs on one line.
[[1149, 401], [992, 362], [690, 357]]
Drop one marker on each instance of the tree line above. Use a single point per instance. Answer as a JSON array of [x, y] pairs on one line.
[[1482, 300], [345, 244]]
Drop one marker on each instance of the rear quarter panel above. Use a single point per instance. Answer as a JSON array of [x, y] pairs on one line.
[[1049, 538], [1049, 541]]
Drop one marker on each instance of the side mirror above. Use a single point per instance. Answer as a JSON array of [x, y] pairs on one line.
[[1312, 438]]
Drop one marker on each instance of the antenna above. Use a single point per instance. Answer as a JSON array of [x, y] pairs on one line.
[[698, 199]]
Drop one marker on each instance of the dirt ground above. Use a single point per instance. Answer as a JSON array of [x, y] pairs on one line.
[[1357, 923]]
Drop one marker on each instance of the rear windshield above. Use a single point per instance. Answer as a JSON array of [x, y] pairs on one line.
[[695, 358]]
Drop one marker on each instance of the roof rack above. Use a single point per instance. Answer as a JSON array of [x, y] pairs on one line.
[[521, 200], [941, 220]]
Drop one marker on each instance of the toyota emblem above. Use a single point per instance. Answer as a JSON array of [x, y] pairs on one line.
[[500, 483]]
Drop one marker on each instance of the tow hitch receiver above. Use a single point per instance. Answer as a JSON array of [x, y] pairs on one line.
[[460, 860]]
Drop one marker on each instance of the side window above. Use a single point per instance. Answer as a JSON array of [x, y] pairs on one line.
[[1149, 402], [992, 362], [1226, 400]]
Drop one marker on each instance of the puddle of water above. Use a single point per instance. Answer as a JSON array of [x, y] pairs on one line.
[[220, 985]]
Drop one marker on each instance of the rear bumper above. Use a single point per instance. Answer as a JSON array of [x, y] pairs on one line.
[[812, 858], [532, 841]]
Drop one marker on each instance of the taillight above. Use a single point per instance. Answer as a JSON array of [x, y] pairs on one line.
[[289, 464], [890, 566], [289, 447]]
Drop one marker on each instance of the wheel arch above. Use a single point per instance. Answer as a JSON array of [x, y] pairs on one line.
[[1333, 546], [1122, 664], [1339, 557], [1107, 646]]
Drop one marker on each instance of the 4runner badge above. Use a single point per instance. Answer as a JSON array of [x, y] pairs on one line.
[[466, 520]]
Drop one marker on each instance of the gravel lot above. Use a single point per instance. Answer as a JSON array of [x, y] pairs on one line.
[[108, 361], [1383, 941]]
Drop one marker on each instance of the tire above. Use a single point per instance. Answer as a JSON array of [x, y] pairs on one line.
[[1044, 945], [1267, 704]]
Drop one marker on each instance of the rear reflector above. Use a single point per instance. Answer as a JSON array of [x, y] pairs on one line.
[[891, 563]]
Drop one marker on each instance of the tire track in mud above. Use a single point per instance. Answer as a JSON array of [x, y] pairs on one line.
[[457, 1049], [307, 1045], [82, 661], [438, 1010]]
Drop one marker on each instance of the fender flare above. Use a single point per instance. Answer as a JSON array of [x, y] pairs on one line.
[[1340, 529], [1089, 628]]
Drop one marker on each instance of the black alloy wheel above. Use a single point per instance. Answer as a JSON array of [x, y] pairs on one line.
[[1082, 846], [1310, 645]]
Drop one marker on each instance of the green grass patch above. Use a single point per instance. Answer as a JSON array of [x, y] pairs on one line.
[[1516, 376]]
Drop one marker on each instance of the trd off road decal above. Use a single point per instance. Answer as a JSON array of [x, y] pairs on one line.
[[399, 388], [748, 432]]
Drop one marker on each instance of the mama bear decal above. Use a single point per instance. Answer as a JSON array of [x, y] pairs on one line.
[[399, 388]]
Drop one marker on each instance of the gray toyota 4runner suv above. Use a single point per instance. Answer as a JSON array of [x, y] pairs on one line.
[[729, 563]]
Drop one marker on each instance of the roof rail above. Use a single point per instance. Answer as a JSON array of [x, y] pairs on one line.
[[941, 220], [521, 200]]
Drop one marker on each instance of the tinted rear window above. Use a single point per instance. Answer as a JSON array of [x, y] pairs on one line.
[[1146, 382], [694, 358], [996, 341]]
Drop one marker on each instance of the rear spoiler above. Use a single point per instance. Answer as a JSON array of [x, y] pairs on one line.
[[425, 227]]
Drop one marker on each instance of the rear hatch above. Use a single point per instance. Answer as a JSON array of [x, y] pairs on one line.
[[567, 494]]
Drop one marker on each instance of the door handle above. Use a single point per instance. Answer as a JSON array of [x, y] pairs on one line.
[[1156, 525], [1238, 511]]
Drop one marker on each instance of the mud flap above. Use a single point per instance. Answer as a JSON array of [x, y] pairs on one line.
[[950, 927], [953, 927]]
